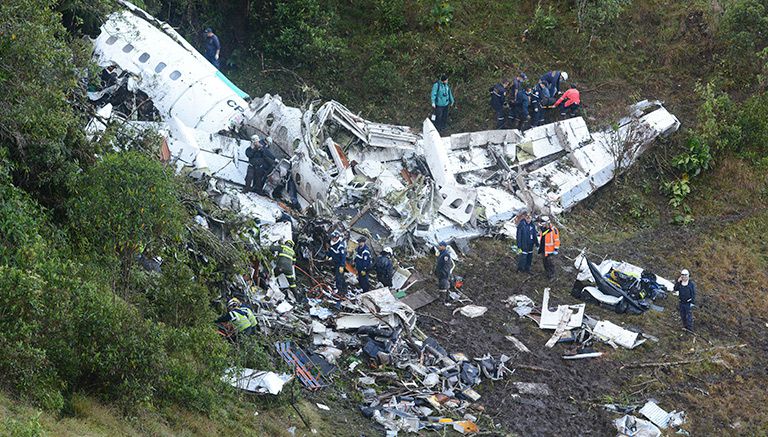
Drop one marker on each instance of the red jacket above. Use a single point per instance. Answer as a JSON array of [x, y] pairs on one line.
[[571, 97]]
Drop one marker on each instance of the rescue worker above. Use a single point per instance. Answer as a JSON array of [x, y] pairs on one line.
[[384, 267], [338, 254], [261, 162], [539, 99], [527, 239], [498, 99], [285, 262], [363, 264], [517, 85], [241, 317], [212, 47], [443, 268], [569, 102], [522, 102], [552, 80], [549, 245], [686, 289], [442, 97]]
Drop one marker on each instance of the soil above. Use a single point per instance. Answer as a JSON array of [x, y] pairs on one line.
[[579, 388]]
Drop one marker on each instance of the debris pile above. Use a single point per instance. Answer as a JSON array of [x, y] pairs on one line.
[[619, 285], [573, 327], [658, 420], [389, 182]]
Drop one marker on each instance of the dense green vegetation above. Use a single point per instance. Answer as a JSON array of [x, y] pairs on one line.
[[79, 315]]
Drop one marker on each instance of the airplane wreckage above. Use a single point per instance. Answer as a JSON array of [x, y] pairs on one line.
[[399, 186]]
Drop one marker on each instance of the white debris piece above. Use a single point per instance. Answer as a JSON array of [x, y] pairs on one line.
[[631, 426], [284, 307], [612, 333], [660, 417], [256, 381], [551, 319], [471, 311]]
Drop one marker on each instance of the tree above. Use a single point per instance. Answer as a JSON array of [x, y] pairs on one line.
[[126, 205]]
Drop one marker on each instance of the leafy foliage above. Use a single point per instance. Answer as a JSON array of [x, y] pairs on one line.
[[543, 23], [299, 30], [594, 14], [126, 205], [744, 30], [441, 13], [38, 83]]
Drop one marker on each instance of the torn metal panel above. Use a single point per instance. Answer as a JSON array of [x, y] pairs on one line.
[[473, 159], [257, 381], [499, 205], [551, 319], [458, 202], [283, 123], [436, 156], [178, 79], [312, 181], [612, 333]]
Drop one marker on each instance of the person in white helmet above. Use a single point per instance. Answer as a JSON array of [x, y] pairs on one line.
[[549, 246], [686, 290], [261, 163], [384, 267], [553, 79]]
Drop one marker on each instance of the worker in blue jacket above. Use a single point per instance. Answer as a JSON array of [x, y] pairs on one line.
[[553, 79], [686, 290], [498, 99], [338, 255], [384, 267], [363, 264], [539, 99], [527, 240], [522, 102], [442, 98], [443, 269]]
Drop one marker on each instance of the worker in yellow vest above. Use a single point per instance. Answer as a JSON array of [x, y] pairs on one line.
[[241, 317], [285, 262], [549, 245]]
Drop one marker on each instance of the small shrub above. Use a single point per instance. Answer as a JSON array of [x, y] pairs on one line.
[[595, 14], [694, 160], [543, 23], [30, 427], [441, 14], [390, 14], [677, 191]]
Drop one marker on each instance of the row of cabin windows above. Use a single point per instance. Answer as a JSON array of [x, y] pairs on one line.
[[128, 48]]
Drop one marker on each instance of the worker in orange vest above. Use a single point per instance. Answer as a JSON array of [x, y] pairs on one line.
[[569, 102], [549, 245]]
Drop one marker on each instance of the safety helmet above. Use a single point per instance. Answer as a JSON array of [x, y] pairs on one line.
[[233, 303], [335, 234], [388, 250], [289, 242], [685, 272], [255, 138], [269, 140], [564, 75], [544, 219]]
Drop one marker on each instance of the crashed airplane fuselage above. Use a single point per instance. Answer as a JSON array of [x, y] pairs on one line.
[[389, 182]]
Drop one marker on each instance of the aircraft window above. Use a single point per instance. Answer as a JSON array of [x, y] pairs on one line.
[[144, 57], [160, 67], [175, 75], [128, 48], [111, 40]]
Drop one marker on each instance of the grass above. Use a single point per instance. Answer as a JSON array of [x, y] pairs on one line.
[[89, 417]]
